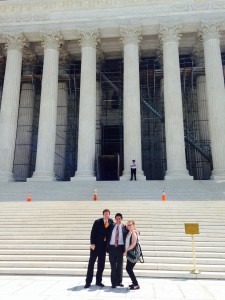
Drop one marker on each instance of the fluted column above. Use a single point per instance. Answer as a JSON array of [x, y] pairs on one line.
[[210, 35], [24, 133], [10, 104], [198, 54], [174, 128], [61, 130], [204, 136], [44, 169], [62, 114], [130, 38], [88, 40]]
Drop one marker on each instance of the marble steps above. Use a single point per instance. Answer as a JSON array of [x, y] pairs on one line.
[[83, 258], [83, 265], [210, 256], [113, 190], [43, 237]]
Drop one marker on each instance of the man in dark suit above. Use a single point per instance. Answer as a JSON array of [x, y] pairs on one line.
[[116, 247], [99, 234]]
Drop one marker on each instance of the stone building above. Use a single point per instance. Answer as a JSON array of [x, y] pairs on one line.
[[88, 85]]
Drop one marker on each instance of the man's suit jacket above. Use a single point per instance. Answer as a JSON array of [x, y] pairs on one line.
[[124, 231], [99, 232]]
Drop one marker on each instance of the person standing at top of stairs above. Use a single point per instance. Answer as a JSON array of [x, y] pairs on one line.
[[133, 168]]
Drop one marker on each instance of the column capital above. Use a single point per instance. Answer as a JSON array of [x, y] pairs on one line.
[[208, 31], [88, 38], [131, 35], [52, 39], [15, 41], [170, 33]]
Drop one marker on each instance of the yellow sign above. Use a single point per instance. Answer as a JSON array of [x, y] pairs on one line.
[[191, 228]]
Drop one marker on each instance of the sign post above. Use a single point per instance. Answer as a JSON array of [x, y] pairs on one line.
[[193, 229]]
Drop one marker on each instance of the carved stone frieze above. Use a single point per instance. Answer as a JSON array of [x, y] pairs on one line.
[[209, 30], [41, 10], [169, 33], [15, 41], [88, 38], [130, 35], [52, 39]]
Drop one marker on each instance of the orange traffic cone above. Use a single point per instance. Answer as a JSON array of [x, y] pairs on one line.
[[163, 196], [95, 195], [29, 197]]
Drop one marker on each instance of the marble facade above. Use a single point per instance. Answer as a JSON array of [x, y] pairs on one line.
[[118, 29]]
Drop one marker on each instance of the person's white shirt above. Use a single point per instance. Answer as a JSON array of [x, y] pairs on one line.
[[120, 240]]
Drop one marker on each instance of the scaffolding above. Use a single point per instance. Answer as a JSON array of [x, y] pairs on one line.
[[109, 121], [65, 164]]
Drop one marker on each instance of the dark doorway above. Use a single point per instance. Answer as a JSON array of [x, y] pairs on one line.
[[108, 167], [112, 140]]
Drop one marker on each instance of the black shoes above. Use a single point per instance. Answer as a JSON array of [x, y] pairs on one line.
[[120, 284], [100, 284], [87, 285], [113, 286], [135, 287]]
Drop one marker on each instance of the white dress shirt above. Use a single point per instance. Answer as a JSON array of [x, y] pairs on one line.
[[120, 240]]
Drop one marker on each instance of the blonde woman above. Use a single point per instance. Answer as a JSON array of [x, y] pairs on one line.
[[131, 241]]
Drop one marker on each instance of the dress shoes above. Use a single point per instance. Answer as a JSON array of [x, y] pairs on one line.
[[130, 285], [113, 286], [100, 284], [87, 285], [120, 284], [135, 287]]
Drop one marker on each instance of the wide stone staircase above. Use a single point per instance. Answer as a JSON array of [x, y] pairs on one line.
[[114, 190], [52, 237]]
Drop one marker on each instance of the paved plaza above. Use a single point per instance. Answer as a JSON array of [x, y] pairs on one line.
[[63, 288]]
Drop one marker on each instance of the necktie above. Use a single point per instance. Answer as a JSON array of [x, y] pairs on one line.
[[116, 236], [106, 224]]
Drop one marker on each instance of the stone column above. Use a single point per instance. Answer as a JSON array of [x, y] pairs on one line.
[[198, 54], [24, 133], [61, 130], [62, 114], [130, 38], [10, 104], [23, 150], [210, 35], [174, 128], [88, 40], [44, 169]]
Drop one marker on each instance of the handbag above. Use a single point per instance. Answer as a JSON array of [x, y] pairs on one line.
[[135, 255]]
